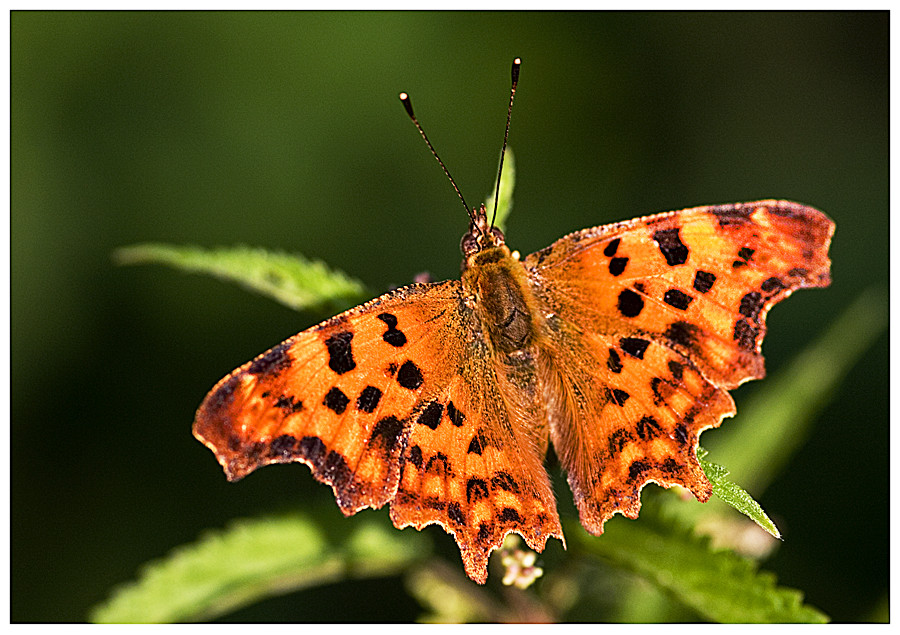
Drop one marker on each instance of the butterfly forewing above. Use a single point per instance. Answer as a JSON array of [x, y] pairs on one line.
[[703, 279], [337, 397]]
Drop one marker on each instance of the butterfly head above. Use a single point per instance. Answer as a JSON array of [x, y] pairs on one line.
[[481, 235]]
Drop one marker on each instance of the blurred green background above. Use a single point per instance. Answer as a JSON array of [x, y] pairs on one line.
[[284, 130]]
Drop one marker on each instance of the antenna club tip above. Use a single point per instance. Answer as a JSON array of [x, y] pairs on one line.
[[407, 104], [515, 72]]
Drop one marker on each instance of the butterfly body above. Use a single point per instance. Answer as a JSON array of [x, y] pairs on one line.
[[616, 343], [497, 287]]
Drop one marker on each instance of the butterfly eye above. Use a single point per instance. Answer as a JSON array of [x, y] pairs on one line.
[[499, 238], [469, 244]]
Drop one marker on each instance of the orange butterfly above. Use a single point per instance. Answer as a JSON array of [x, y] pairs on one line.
[[617, 343]]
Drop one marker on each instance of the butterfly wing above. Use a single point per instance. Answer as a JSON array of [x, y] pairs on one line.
[[649, 323], [474, 465], [392, 401]]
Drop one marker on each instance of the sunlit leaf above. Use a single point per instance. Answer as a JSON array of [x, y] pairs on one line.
[[734, 495], [290, 279], [505, 200], [254, 559], [718, 585]]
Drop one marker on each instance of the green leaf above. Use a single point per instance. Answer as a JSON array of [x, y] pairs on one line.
[[253, 559], [734, 495], [718, 585], [505, 200], [290, 279]]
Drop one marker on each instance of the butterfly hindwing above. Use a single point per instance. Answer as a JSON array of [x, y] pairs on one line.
[[472, 467], [615, 427]]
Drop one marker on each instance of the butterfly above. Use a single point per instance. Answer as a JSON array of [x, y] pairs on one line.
[[617, 343]]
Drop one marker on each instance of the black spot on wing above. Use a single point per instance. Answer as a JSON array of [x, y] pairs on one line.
[[772, 285], [454, 513], [634, 346], [617, 440], [409, 376], [678, 299], [431, 415], [611, 247], [476, 489], [636, 469], [477, 444], [283, 447], [745, 335], [670, 465], [456, 416], [393, 335], [731, 214], [505, 481], [388, 431], [662, 390], [617, 265], [368, 399], [439, 463], [673, 250], [751, 304], [683, 334], [676, 369], [334, 470], [630, 304], [648, 428], [508, 514], [415, 456], [340, 352], [434, 503], [288, 405], [703, 281], [614, 362], [336, 400], [618, 396], [312, 449], [744, 255], [223, 396]]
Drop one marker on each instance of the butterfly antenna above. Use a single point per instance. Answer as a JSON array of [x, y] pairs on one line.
[[409, 110], [512, 95]]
